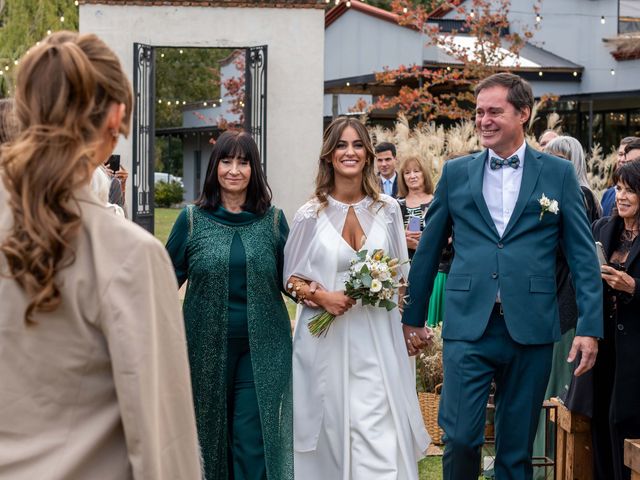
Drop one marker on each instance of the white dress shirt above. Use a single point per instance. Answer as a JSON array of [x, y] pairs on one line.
[[501, 187]]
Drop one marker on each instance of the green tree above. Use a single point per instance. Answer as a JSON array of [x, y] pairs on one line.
[[25, 22], [185, 75]]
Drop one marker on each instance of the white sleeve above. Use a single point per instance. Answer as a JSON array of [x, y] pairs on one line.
[[297, 251], [397, 239]]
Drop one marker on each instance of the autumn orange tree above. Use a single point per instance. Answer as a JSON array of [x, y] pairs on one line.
[[432, 91]]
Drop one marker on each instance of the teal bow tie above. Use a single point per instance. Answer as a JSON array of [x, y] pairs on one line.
[[496, 162]]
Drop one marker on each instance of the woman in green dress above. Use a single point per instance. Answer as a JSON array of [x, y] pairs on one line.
[[229, 247]]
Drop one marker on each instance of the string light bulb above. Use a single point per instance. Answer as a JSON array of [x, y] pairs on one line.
[[613, 72], [538, 18], [62, 19], [472, 14], [76, 3], [540, 74], [575, 74], [405, 10], [603, 20], [348, 3]]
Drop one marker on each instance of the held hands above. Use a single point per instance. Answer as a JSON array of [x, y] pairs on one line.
[[413, 239], [588, 346], [416, 338], [617, 279]]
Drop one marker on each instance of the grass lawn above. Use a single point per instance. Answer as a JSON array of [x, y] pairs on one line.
[[164, 220], [430, 467]]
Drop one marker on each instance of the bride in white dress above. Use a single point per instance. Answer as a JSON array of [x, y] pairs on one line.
[[356, 412]]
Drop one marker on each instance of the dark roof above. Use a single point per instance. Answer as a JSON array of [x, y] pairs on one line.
[[444, 9], [214, 3], [546, 58], [340, 9]]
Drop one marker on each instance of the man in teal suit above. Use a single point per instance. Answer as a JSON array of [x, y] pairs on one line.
[[501, 312]]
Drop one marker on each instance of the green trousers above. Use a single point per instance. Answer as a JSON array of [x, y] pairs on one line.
[[246, 455]]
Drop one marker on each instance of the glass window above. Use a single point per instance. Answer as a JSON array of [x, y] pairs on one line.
[[615, 128], [634, 123], [596, 133], [629, 16]]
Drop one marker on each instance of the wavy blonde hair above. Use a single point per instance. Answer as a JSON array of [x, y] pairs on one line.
[[325, 179], [65, 88]]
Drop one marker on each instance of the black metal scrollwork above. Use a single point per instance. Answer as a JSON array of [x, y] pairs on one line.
[[255, 109], [143, 135]]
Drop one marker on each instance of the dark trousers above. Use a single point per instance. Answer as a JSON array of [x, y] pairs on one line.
[[521, 373], [246, 455]]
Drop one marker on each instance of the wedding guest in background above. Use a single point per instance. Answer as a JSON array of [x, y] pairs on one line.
[[100, 184], [415, 193], [575, 392], [356, 413], [229, 247], [118, 176], [609, 196], [386, 163], [547, 136], [616, 375], [93, 362], [8, 126]]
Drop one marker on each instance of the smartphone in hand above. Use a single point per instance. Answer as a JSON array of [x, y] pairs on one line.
[[602, 257], [414, 224], [113, 163]]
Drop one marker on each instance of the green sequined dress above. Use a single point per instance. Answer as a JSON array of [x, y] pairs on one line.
[[222, 307]]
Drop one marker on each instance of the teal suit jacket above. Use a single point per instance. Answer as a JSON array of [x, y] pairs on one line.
[[521, 263]]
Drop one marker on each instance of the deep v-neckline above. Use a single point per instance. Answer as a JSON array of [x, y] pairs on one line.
[[346, 207], [352, 229]]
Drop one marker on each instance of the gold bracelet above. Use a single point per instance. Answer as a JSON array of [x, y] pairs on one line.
[[294, 289]]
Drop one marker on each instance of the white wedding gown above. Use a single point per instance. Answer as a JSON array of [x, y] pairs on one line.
[[356, 412]]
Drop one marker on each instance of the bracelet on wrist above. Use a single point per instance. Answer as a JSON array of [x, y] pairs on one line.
[[296, 290]]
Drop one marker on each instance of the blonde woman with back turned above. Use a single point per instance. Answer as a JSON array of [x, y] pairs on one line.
[[95, 379]]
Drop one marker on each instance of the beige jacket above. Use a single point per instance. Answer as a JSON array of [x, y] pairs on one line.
[[100, 388]]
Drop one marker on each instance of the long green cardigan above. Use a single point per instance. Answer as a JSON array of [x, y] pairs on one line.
[[208, 250]]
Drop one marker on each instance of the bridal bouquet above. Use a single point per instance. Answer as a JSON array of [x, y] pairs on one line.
[[372, 279]]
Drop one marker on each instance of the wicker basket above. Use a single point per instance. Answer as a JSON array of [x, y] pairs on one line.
[[429, 403]]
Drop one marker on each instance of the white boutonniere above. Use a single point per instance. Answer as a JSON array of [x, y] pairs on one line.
[[548, 205]]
